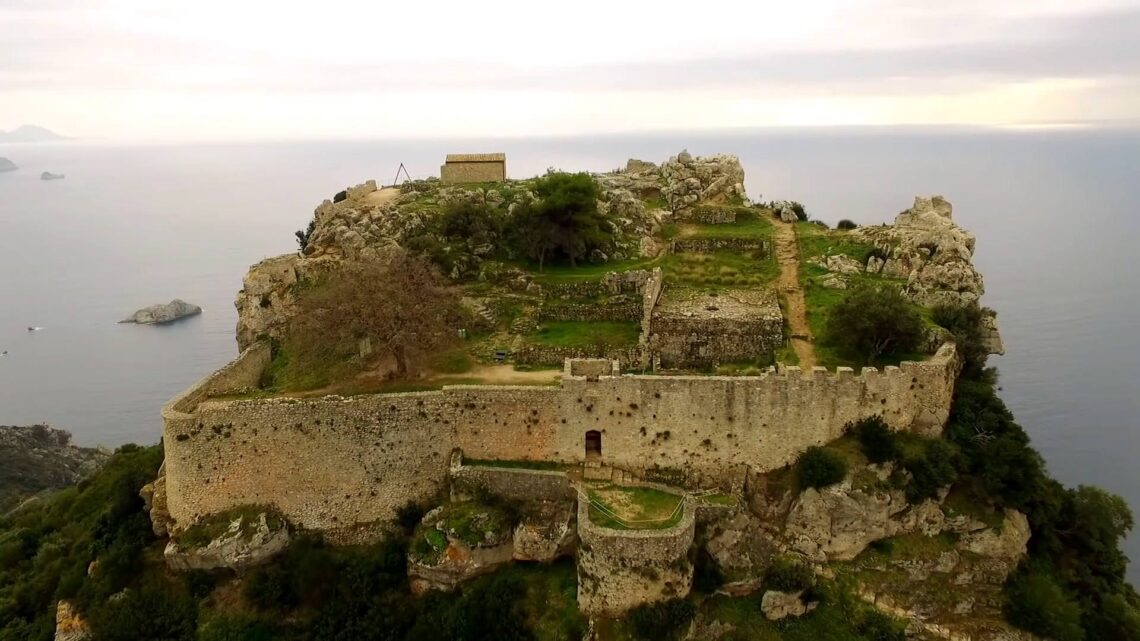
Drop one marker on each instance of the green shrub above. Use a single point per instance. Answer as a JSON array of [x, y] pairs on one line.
[[662, 621], [146, 612], [235, 628], [1038, 604], [874, 321], [876, 439], [819, 467], [846, 224], [788, 574], [876, 626], [931, 470], [965, 322]]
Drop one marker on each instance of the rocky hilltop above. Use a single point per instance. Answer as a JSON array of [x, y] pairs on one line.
[[39, 457], [7, 165]]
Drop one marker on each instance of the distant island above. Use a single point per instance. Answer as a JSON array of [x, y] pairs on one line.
[[47, 175], [30, 133], [7, 165]]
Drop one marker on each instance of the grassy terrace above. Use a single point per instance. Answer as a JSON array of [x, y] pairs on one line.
[[749, 224], [587, 333], [634, 508], [718, 270]]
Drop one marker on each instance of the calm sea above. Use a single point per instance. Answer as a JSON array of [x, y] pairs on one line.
[[1055, 214]]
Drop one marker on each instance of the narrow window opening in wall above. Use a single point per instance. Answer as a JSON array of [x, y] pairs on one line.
[[593, 444]]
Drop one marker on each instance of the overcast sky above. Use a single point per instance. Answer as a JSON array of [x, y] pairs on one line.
[[214, 69]]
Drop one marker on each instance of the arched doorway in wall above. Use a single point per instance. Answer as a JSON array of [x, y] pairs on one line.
[[593, 444]]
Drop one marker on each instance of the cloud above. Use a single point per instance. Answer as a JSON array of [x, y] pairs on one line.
[[218, 65]]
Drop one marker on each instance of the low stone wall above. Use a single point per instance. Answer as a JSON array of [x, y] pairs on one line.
[[621, 569], [629, 357], [239, 375], [760, 248], [712, 215], [619, 310], [511, 484], [703, 342]]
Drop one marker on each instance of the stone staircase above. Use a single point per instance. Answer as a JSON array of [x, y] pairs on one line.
[[595, 470]]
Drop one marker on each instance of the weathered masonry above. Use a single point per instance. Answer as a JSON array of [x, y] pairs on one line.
[[341, 464], [474, 168]]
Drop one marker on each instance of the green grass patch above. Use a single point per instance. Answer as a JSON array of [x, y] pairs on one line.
[[749, 224], [719, 270], [726, 500], [457, 361], [635, 508], [587, 333]]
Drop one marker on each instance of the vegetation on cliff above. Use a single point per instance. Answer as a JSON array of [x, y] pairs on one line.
[[38, 458]]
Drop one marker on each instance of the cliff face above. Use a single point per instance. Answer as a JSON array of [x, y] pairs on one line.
[[37, 458]]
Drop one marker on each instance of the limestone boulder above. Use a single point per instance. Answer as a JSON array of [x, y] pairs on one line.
[[163, 313], [69, 624], [929, 250], [742, 550], [690, 180], [248, 540], [1005, 545], [777, 605], [838, 522], [547, 531], [154, 502]]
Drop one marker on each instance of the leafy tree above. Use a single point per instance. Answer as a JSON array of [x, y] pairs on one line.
[[788, 574], [303, 235], [1038, 604], [846, 224], [403, 307], [965, 323], [874, 321], [820, 467], [564, 222]]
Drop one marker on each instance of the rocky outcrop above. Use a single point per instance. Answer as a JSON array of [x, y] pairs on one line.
[[457, 542], [546, 532], [691, 180], [167, 313], [777, 605], [69, 624], [7, 165], [38, 458], [742, 550], [925, 247], [248, 540], [154, 502], [838, 522]]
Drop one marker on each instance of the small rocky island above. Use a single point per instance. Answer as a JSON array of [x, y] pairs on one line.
[[7, 165], [38, 458], [47, 175], [160, 314]]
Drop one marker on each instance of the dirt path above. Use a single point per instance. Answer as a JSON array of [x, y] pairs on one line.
[[383, 196], [508, 375], [788, 257]]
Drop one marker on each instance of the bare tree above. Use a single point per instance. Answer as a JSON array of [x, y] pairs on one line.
[[402, 306]]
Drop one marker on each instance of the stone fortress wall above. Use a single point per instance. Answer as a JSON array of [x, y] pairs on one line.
[[342, 465]]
